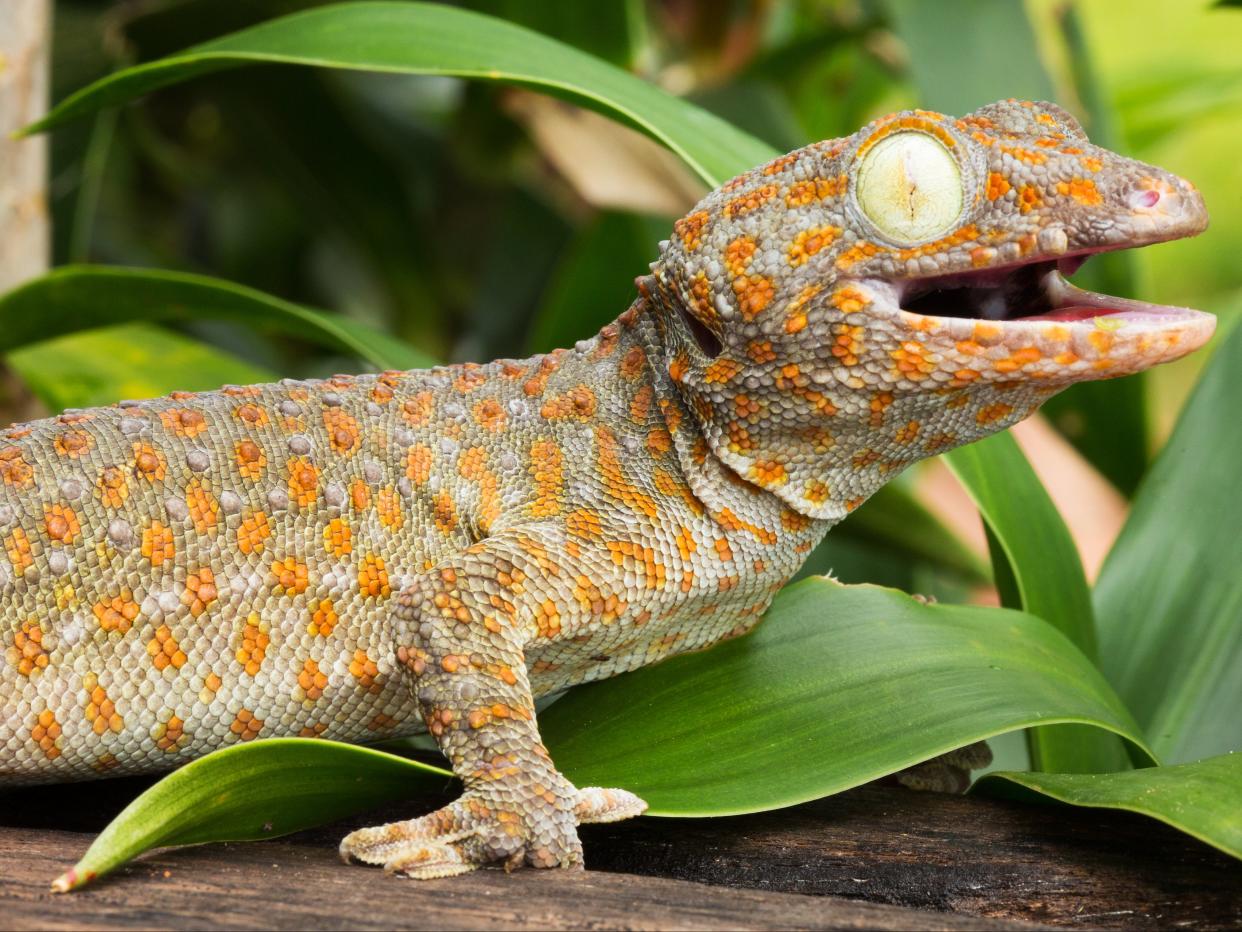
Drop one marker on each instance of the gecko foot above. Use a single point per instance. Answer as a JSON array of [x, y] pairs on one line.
[[597, 804], [537, 830], [948, 773]]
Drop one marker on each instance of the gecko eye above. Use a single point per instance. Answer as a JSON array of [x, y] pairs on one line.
[[910, 187]]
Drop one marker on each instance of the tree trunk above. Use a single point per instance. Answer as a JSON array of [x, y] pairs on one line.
[[24, 46]]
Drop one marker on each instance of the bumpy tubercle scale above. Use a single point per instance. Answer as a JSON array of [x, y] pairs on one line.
[[377, 555]]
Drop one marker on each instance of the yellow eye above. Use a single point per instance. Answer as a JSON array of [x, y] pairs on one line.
[[910, 187]]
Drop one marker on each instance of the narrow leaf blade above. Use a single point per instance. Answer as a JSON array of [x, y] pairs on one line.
[[424, 38], [79, 297]]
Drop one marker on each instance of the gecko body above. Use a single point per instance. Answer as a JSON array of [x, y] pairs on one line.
[[375, 555]]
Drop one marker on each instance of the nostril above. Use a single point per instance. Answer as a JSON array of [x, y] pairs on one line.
[[1148, 198]]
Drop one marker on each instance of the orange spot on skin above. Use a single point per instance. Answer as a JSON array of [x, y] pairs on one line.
[[73, 443], [444, 513], [859, 252], [112, 487], [323, 618], [690, 229], [1029, 198], [998, 186], [253, 531], [184, 422], [170, 735], [417, 410], [17, 545], [250, 458], [816, 492], [303, 481], [204, 509], [157, 543], [807, 243], [252, 644], [100, 710], [291, 576], [312, 680], [14, 469], [46, 734], [546, 467], [337, 538], [343, 434], [388, 508], [778, 165], [246, 726], [469, 379], [359, 495], [754, 294], [490, 415], [252, 414], [751, 200], [149, 463], [164, 649], [768, 473], [28, 651], [992, 413], [117, 613], [801, 193], [615, 482], [1082, 190], [722, 370], [738, 255], [373, 577], [576, 404], [61, 523], [418, 464], [366, 672], [200, 591]]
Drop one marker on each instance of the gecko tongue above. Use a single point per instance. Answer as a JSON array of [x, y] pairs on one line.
[[1075, 313]]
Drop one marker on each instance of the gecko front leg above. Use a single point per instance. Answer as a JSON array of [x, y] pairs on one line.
[[460, 632]]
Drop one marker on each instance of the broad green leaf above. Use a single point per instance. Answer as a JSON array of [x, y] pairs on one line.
[[1038, 570], [102, 366], [253, 791], [839, 685], [422, 38], [80, 297], [1169, 596], [1202, 799]]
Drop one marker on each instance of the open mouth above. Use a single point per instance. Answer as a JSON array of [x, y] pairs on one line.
[[1037, 291]]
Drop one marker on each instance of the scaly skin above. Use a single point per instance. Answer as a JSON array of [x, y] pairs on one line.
[[370, 556]]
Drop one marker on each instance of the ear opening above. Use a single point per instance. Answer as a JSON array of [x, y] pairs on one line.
[[708, 343]]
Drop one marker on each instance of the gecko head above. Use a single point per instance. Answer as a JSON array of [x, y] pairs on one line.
[[862, 303]]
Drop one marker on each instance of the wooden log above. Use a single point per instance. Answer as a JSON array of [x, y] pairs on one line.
[[284, 885], [957, 857]]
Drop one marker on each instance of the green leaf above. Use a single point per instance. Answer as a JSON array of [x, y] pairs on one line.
[[839, 685], [967, 53], [1202, 799], [421, 38], [1169, 596], [103, 366], [80, 297], [1038, 570], [253, 791]]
